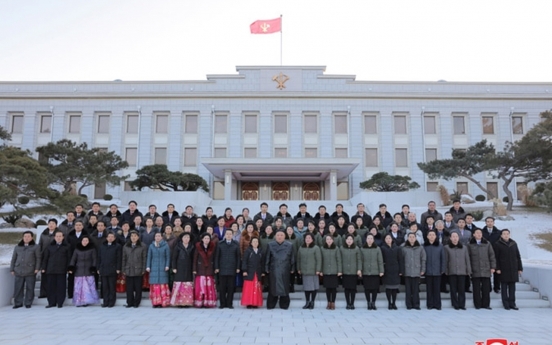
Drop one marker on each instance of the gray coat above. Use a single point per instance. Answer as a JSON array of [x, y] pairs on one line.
[[227, 258], [464, 237], [84, 259], [280, 261], [482, 258], [435, 258], [45, 239], [25, 259], [309, 260], [351, 259], [372, 260], [458, 260], [331, 260], [134, 259], [414, 257]]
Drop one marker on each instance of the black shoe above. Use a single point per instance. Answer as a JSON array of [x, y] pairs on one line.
[[17, 306], [28, 306], [429, 308], [311, 305], [456, 308], [408, 308], [230, 307], [395, 307], [249, 307], [496, 290], [221, 307], [438, 308], [514, 308], [462, 308], [352, 307], [374, 306], [390, 306], [348, 307], [128, 306], [307, 304], [507, 308], [60, 306], [104, 305], [136, 306], [50, 306], [488, 308], [110, 306], [477, 308], [417, 308]]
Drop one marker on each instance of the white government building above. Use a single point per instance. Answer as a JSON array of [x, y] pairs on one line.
[[276, 132]]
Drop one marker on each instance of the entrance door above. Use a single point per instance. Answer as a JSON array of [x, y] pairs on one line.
[[250, 191], [280, 191], [311, 191]]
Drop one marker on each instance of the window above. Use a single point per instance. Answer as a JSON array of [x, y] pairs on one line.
[[432, 186], [280, 124], [190, 157], [341, 153], [401, 158], [160, 155], [458, 124], [462, 187], [371, 157], [103, 124], [431, 155], [311, 124], [131, 155], [74, 123], [132, 124], [492, 187], [17, 124], [250, 124], [280, 152], [220, 152], [191, 124], [517, 124], [400, 124], [46, 124], [311, 152], [429, 125], [488, 124], [250, 152], [127, 187], [162, 124], [221, 124], [370, 124], [340, 124]]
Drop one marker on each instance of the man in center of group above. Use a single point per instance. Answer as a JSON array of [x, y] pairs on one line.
[[280, 262], [227, 264]]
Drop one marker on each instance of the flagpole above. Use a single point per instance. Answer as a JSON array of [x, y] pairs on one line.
[[281, 39]]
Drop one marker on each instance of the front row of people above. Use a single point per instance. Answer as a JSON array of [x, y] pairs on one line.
[[191, 270]]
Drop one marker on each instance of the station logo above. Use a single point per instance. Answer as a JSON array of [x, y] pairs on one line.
[[496, 341]]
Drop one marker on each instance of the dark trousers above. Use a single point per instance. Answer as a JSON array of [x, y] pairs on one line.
[[412, 292], [108, 290], [444, 281], [457, 291], [227, 286], [433, 284], [70, 284], [134, 290], [508, 294], [43, 285], [24, 286], [481, 292], [496, 282], [57, 284], [272, 300]]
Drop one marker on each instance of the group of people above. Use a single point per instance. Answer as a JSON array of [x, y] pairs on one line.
[[183, 259]]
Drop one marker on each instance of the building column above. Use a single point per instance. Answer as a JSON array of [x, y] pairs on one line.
[[333, 185], [228, 181]]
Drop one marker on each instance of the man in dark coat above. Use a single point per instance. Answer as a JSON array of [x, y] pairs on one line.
[[385, 216], [492, 234], [264, 215], [322, 214], [46, 237], [68, 224], [280, 262], [509, 267], [131, 213], [74, 238], [339, 212], [457, 211], [302, 214], [361, 213], [55, 263], [170, 214], [431, 211], [109, 266], [227, 264], [25, 264]]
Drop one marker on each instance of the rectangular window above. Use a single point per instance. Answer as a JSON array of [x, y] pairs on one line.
[[221, 124], [462, 187], [191, 124], [429, 125], [250, 124], [401, 158], [220, 152], [162, 124], [488, 124], [190, 157], [132, 124], [492, 187], [400, 124], [311, 152], [311, 124], [371, 157], [432, 186], [46, 124], [459, 125], [127, 186], [17, 124], [160, 155], [340, 153], [517, 124], [131, 156], [250, 152], [280, 152], [370, 124], [74, 123], [431, 155], [103, 124], [340, 124], [280, 124]]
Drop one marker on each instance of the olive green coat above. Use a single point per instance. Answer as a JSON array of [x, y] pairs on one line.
[[372, 260], [309, 260], [331, 260], [351, 259]]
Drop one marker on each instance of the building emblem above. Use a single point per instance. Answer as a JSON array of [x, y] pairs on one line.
[[281, 80]]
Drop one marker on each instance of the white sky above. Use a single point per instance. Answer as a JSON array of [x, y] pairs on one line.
[[465, 40]]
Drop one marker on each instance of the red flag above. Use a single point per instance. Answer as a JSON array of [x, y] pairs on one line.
[[266, 26]]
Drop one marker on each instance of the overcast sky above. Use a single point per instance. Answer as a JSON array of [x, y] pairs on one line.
[[483, 40]]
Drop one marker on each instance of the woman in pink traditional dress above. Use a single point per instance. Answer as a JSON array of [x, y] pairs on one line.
[[205, 294], [157, 265], [252, 268], [83, 265], [182, 264]]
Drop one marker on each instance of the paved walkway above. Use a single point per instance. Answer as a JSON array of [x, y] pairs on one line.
[[145, 325]]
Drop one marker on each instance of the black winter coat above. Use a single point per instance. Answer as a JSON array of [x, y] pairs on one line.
[[83, 262], [56, 258], [73, 240], [252, 263], [110, 259], [493, 236], [227, 258], [435, 254], [182, 261], [508, 260], [393, 264]]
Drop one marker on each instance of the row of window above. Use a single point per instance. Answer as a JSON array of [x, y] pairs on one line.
[[310, 124]]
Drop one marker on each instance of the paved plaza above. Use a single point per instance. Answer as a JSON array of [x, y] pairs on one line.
[[145, 325]]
